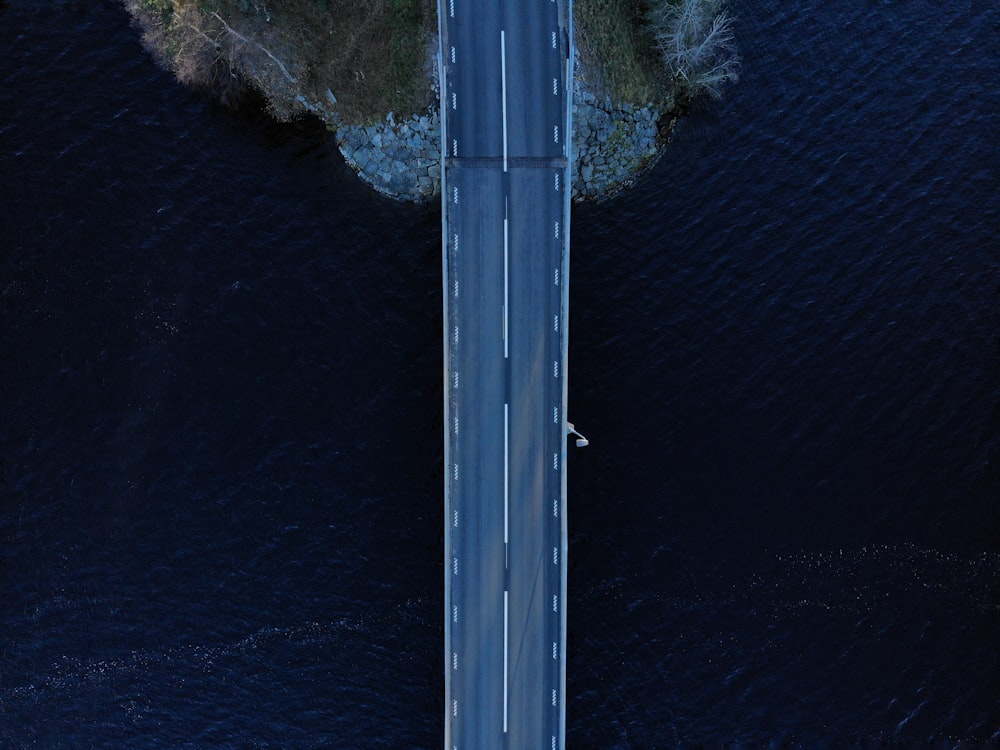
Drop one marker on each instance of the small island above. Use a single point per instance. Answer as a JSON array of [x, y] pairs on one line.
[[368, 70]]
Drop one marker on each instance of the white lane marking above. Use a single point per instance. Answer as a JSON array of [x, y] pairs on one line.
[[454, 708], [453, 55], [454, 660], [556, 230], [555, 650], [506, 478], [455, 424], [454, 147], [503, 91], [555, 84], [556, 277], [555, 602], [454, 566], [555, 508], [553, 40], [454, 100], [505, 596], [454, 379], [555, 555], [553, 736], [555, 133], [455, 286], [555, 362], [553, 696], [454, 193], [455, 241], [454, 518], [555, 321], [454, 474], [455, 336], [451, 8], [454, 615], [557, 182], [506, 282], [555, 461], [555, 415]]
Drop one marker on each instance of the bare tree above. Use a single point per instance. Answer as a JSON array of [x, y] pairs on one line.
[[697, 43]]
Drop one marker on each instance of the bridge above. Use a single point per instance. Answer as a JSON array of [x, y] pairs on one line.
[[505, 73]]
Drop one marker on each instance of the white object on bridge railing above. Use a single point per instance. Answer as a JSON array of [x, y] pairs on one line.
[[581, 441]]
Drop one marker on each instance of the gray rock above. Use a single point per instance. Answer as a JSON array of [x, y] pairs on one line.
[[401, 158]]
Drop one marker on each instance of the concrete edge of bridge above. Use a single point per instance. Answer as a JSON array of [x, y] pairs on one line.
[[446, 362], [564, 355]]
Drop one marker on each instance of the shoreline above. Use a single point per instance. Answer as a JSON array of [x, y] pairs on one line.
[[613, 147], [614, 143]]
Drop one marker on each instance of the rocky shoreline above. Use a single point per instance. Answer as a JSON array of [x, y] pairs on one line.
[[613, 143], [398, 157], [611, 146]]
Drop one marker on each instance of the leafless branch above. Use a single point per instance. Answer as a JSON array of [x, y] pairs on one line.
[[697, 43], [230, 30]]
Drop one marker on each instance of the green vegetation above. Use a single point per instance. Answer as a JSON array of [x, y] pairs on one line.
[[371, 54], [618, 48], [379, 59], [412, 28]]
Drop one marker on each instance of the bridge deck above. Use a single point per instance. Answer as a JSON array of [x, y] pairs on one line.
[[506, 73]]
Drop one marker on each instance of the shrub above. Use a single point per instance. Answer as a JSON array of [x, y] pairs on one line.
[[696, 41]]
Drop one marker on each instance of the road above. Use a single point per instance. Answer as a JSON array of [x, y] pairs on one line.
[[505, 229]]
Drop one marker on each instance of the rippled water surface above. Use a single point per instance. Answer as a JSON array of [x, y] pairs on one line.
[[220, 409]]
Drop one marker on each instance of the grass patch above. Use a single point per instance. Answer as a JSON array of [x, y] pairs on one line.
[[378, 57], [616, 34]]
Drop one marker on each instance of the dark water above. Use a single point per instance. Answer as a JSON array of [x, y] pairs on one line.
[[220, 500]]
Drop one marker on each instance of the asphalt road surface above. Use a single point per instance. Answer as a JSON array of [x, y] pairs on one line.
[[505, 248]]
